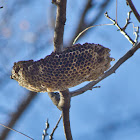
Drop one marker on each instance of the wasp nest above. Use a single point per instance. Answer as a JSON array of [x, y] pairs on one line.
[[59, 71]]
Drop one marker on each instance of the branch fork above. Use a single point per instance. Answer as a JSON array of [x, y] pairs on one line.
[[122, 30], [62, 99]]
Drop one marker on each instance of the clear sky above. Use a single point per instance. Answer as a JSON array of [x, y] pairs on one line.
[[107, 113]]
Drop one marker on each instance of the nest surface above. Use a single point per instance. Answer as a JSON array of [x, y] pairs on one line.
[[59, 71]]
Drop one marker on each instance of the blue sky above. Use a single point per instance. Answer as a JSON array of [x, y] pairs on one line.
[[110, 112]]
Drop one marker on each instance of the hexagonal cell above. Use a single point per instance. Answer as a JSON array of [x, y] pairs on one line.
[[59, 71]]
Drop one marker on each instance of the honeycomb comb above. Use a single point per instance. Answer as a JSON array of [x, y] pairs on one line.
[[59, 71]]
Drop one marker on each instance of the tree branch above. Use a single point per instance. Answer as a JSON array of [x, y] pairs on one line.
[[131, 5], [64, 102], [59, 25], [64, 105], [109, 72], [122, 30], [51, 135]]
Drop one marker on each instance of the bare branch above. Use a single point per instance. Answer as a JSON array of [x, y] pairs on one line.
[[45, 130], [120, 29], [64, 102], [16, 131], [51, 135], [86, 30], [109, 72], [127, 20], [59, 25], [136, 32], [130, 3], [64, 105]]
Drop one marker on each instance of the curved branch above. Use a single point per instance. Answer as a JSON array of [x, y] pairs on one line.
[[82, 25], [109, 72], [131, 5]]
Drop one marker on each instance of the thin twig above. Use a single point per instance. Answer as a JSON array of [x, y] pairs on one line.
[[116, 10], [136, 32], [51, 135], [130, 3], [82, 23], [15, 116], [109, 72], [127, 21], [16, 131], [86, 30], [120, 29], [45, 130]]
